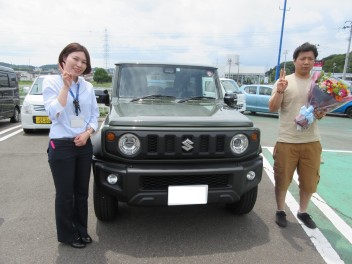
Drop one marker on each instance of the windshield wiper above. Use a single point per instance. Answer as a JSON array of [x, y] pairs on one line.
[[195, 98], [153, 96]]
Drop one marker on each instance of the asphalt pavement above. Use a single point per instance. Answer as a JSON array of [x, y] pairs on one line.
[[180, 234]]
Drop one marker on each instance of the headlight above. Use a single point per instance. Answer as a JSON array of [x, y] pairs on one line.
[[239, 143], [26, 108], [129, 144]]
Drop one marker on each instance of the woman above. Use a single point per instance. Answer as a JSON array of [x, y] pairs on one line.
[[72, 107]]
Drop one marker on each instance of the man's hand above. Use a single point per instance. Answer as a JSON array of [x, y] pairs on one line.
[[282, 83], [319, 113]]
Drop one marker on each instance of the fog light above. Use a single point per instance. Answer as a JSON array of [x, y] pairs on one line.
[[250, 175], [112, 179]]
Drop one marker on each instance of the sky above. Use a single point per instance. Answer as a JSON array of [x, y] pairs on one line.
[[33, 32]]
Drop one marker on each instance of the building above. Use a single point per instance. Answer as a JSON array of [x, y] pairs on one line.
[[244, 74]]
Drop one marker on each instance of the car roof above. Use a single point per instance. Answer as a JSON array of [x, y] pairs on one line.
[[264, 85], [226, 79], [162, 63], [3, 68]]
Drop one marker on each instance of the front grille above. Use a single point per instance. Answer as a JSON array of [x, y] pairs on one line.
[[39, 108], [185, 144], [162, 182]]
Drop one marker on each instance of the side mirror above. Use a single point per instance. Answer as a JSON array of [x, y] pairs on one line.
[[26, 89], [106, 98], [230, 99]]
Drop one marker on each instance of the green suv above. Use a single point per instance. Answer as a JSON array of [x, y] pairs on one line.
[[173, 138]]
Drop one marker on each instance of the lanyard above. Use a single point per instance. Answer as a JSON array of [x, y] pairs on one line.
[[75, 100]]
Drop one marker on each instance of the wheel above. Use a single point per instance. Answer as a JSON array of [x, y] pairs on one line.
[[245, 204], [27, 131], [16, 116], [349, 112], [105, 205]]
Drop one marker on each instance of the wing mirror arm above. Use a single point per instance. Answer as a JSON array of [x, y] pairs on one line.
[[106, 98]]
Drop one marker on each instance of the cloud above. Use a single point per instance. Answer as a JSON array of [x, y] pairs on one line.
[[189, 31]]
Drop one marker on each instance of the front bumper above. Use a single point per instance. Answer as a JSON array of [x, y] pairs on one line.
[[27, 121], [147, 184]]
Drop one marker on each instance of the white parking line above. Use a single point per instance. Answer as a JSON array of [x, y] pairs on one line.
[[9, 129], [11, 134], [322, 245], [334, 218]]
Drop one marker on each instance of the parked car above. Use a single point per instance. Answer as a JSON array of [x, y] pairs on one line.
[[231, 86], [345, 109], [33, 114], [9, 95], [171, 138], [257, 97]]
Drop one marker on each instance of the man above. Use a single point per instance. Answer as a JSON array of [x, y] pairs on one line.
[[296, 149]]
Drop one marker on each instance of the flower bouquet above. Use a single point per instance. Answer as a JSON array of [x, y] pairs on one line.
[[325, 94]]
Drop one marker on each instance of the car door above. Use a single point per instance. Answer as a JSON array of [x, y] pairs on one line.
[[264, 93], [251, 97], [5, 98]]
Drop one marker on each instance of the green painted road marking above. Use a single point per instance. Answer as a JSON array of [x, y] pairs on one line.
[[334, 188], [335, 184]]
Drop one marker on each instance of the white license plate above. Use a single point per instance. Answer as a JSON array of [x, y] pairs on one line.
[[190, 194]]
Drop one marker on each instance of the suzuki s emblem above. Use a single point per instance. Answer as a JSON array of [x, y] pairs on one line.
[[187, 145]]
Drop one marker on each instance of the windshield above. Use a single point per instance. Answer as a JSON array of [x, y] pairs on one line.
[[37, 87], [230, 86], [165, 82]]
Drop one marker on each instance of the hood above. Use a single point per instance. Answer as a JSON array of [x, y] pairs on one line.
[[173, 114], [35, 99]]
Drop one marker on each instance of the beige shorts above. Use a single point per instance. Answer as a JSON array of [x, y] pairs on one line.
[[305, 157]]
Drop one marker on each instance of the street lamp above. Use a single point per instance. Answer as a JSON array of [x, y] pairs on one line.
[[282, 32], [333, 68]]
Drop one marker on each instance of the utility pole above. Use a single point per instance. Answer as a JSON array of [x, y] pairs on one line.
[[106, 48], [282, 32], [285, 53], [237, 62], [229, 61], [348, 49]]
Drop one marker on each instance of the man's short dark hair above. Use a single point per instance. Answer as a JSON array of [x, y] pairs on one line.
[[305, 47]]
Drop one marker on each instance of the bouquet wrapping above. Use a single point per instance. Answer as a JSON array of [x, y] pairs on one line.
[[325, 94]]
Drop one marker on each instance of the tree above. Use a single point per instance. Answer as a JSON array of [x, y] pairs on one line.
[[101, 76]]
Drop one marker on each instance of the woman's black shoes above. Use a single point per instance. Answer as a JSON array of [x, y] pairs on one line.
[[78, 243], [87, 239]]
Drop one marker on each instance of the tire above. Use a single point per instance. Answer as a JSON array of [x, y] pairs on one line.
[[16, 116], [27, 131], [105, 205], [245, 204], [349, 112]]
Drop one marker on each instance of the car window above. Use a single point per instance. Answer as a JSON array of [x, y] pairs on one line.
[[37, 87], [230, 86], [4, 81], [264, 90], [251, 89], [181, 82]]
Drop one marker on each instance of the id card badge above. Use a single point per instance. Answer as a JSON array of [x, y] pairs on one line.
[[77, 121]]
